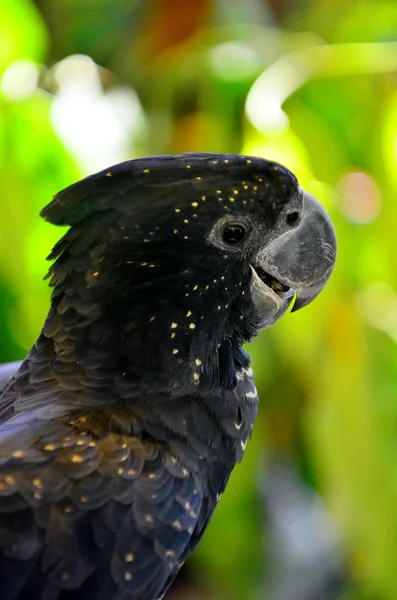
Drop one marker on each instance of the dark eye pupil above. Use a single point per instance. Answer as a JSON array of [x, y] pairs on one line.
[[292, 218], [233, 234]]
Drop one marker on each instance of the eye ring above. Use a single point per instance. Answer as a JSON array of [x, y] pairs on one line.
[[233, 233]]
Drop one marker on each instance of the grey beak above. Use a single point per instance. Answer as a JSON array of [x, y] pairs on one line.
[[303, 258]]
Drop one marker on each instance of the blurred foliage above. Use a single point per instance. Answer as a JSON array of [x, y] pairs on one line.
[[310, 83]]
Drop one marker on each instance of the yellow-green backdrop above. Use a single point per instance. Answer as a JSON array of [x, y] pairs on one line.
[[310, 83]]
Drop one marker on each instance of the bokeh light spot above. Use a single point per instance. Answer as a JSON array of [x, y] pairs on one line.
[[20, 80], [359, 197]]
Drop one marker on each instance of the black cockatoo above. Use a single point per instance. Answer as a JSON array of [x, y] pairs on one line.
[[120, 429]]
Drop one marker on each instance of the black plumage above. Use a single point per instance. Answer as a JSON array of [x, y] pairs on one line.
[[119, 431]]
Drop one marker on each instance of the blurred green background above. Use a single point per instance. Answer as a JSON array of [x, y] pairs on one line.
[[312, 84]]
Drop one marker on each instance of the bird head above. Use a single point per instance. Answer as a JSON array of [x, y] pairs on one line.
[[169, 258]]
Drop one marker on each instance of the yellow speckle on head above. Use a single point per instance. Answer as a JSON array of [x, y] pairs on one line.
[[195, 287], [198, 178], [186, 220], [175, 351], [68, 509], [189, 313], [177, 524], [188, 167], [219, 307], [148, 518], [260, 179], [242, 293], [207, 287], [185, 237], [192, 326], [95, 274], [248, 162], [241, 317], [108, 174], [203, 198], [131, 472], [255, 188], [194, 215], [65, 575], [92, 444], [17, 454], [215, 280], [84, 499], [235, 191], [174, 325], [231, 199], [198, 362], [194, 204], [129, 557], [152, 318], [219, 191], [37, 483], [225, 161], [76, 458], [170, 553], [146, 170], [80, 442], [9, 479], [177, 210], [38, 496], [120, 471], [175, 231], [144, 264], [152, 476], [173, 334], [146, 240], [151, 266], [245, 187], [128, 576]]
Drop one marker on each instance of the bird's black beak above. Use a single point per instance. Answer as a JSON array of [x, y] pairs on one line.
[[300, 260]]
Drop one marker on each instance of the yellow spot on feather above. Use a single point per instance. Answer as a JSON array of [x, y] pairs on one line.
[[76, 458]]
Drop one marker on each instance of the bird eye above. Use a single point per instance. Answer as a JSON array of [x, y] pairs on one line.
[[292, 218], [233, 234]]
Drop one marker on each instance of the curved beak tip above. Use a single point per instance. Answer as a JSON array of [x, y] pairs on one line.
[[304, 259]]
